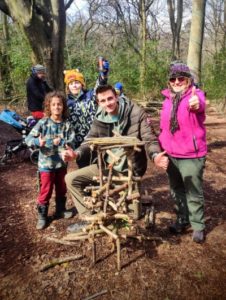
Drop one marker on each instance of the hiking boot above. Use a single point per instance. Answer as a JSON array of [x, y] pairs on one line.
[[198, 236], [77, 227], [61, 211], [178, 228], [42, 216]]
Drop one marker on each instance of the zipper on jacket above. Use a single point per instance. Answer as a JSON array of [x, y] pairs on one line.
[[195, 144]]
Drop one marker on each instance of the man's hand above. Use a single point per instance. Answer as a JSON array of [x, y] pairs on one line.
[[68, 154], [194, 100], [42, 141], [161, 160]]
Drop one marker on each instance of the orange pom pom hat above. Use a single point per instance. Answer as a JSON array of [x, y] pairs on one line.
[[73, 75]]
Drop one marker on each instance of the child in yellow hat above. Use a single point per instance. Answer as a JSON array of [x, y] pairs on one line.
[[74, 81], [82, 102]]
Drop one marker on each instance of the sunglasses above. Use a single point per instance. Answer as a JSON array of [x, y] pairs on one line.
[[179, 79]]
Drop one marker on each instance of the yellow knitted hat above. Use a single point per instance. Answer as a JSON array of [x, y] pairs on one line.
[[73, 75]]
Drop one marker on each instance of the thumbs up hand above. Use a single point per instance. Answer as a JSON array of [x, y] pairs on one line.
[[194, 100], [161, 160]]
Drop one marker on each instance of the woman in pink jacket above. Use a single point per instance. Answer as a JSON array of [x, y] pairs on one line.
[[183, 137]]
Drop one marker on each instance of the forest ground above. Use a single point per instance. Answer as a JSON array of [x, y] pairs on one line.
[[171, 268]]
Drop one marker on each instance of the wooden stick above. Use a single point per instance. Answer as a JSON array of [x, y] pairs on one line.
[[93, 205], [76, 238], [118, 178], [118, 254], [118, 189], [116, 140], [141, 237], [133, 196], [96, 295], [94, 253], [136, 209], [99, 158], [100, 191], [51, 239], [84, 235], [113, 205], [60, 261], [109, 232], [108, 187], [123, 146], [94, 218], [130, 175], [80, 233]]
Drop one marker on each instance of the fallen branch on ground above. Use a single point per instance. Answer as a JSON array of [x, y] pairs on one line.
[[60, 261], [142, 237], [58, 241], [96, 295]]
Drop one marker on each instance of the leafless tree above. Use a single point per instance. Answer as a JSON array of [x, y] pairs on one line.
[[196, 38], [5, 64], [44, 23], [175, 24], [214, 25]]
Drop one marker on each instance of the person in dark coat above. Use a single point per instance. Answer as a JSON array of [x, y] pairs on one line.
[[37, 88]]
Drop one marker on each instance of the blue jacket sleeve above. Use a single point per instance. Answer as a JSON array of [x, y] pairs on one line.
[[33, 137]]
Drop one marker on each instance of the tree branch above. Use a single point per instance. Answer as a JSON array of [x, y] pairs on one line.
[[4, 8], [68, 4]]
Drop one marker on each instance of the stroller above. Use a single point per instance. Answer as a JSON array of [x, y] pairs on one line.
[[18, 146]]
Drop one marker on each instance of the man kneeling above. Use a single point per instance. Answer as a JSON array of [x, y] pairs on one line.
[[114, 114]]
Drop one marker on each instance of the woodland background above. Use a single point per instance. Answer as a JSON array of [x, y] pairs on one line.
[[139, 38]]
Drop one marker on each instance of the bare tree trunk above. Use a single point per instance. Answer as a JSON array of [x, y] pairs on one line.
[[5, 65], [178, 27], [175, 25], [143, 47], [196, 38], [44, 23], [123, 11], [224, 45]]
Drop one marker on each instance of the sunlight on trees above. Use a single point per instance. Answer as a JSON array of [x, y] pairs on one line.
[[139, 49]]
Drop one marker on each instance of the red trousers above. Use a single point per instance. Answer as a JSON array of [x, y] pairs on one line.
[[37, 114], [48, 180]]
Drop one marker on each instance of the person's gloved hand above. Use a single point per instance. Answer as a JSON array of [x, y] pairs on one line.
[[104, 67]]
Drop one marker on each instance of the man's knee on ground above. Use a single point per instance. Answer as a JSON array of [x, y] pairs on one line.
[[70, 179]]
